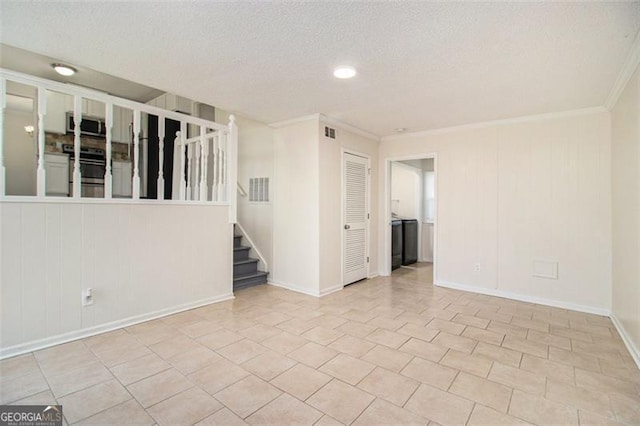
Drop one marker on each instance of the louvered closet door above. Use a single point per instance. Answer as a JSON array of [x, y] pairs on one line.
[[355, 212]]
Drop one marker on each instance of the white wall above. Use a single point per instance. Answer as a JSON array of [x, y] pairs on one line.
[[625, 166], [509, 194], [296, 194], [331, 223], [406, 190], [307, 225], [141, 260], [255, 159]]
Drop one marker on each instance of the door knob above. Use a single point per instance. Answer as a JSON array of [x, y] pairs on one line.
[[347, 227]]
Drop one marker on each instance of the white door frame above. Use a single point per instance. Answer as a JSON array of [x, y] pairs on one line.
[[385, 220], [342, 209]]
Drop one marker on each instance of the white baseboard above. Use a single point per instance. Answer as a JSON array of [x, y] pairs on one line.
[[525, 298], [331, 290], [375, 274], [103, 328], [633, 349], [306, 291], [293, 288]]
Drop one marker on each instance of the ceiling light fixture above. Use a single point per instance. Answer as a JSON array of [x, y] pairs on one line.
[[400, 129], [63, 69], [344, 72]]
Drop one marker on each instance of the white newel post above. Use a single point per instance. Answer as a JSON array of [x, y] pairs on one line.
[[77, 119], [3, 102], [204, 149], [108, 175], [183, 137], [232, 169], [41, 175], [136, 155], [160, 190]]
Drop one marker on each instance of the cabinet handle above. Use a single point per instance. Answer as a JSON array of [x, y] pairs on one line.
[[347, 227]]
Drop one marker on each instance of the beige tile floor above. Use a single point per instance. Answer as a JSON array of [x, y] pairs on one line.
[[384, 351]]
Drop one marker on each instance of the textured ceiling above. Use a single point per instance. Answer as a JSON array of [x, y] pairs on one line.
[[27, 62], [422, 65]]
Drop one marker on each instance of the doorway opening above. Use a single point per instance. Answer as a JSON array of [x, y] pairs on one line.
[[410, 232]]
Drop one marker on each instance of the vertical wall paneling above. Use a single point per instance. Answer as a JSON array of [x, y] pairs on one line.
[[11, 274], [53, 269], [89, 262], [71, 272], [513, 194], [33, 253], [139, 259]]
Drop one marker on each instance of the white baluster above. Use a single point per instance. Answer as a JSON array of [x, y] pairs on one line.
[[189, 170], [220, 166], [214, 173], [160, 158], [3, 103], [183, 138], [197, 154], [232, 167], [77, 119], [40, 175], [108, 174], [136, 155], [204, 147]]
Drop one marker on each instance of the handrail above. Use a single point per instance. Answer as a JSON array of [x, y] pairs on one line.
[[241, 190], [94, 95], [253, 246], [214, 148]]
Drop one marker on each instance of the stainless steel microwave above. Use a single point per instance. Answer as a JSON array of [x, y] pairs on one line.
[[89, 126]]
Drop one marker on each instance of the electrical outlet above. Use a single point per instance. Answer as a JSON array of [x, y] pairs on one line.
[[476, 267], [87, 297]]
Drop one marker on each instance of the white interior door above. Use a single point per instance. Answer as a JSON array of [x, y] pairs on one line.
[[355, 233]]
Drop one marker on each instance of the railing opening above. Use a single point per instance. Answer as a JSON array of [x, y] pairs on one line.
[[73, 143]]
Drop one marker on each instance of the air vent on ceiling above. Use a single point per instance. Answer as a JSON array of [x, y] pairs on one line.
[[329, 132], [259, 190]]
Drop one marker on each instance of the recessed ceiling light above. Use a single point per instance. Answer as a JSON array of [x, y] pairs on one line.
[[65, 70], [344, 72], [400, 129]]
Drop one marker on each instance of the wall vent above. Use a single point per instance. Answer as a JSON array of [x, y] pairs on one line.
[[329, 132], [259, 190]]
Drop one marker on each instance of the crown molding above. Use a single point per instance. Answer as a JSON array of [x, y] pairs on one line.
[[629, 67], [501, 122], [348, 127], [291, 121], [327, 120]]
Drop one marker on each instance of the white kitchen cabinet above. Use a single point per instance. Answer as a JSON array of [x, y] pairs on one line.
[[58, 104], [57, 174], [122, 119], [93, 108], [121, 182]]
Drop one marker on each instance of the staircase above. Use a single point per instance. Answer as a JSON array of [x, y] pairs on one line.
[[245, 268]]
